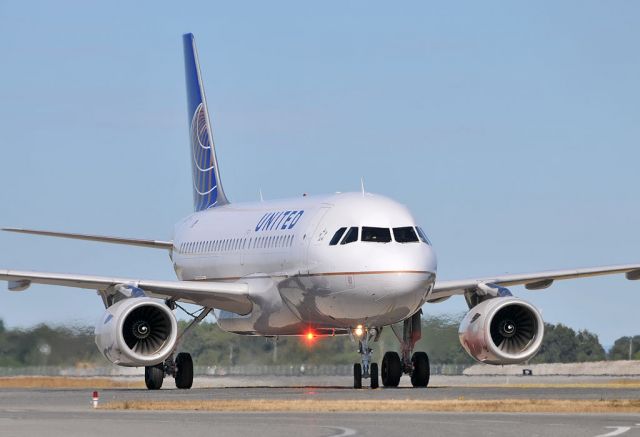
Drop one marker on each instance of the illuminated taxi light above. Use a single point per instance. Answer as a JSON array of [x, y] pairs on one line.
[[358, 331]]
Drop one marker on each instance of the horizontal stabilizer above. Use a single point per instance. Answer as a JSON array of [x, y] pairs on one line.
[[156, 244]]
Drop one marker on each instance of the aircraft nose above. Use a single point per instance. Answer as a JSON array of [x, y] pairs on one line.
[[420, 259], [430, 260]]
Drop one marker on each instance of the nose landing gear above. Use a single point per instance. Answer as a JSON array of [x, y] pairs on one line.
[[365, 369]]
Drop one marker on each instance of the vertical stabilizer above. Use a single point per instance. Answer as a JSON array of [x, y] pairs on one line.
[[207, 187]]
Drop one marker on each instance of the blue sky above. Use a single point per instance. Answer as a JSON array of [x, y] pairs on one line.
[[510, 130]]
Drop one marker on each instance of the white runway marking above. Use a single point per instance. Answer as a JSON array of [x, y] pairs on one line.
[[344, 431], [617, 430]]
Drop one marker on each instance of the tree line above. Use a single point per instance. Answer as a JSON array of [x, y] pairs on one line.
[[209, 345]]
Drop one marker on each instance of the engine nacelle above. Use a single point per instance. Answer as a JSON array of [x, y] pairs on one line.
[[502, 330], [137, 331]]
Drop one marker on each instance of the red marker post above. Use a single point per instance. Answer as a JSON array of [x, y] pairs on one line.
[[94, 399]]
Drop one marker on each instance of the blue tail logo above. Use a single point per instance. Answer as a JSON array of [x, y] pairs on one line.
[[207, 190]]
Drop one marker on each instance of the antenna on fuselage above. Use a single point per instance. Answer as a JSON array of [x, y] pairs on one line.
[[362, 185]]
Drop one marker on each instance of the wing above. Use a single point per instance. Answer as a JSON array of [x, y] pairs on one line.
[[233, 297], [155, 244], [531, 281]]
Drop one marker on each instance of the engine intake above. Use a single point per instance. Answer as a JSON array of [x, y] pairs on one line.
[[137, 332], [502, 330]]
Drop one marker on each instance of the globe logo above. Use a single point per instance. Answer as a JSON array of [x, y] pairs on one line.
[[204, 178]]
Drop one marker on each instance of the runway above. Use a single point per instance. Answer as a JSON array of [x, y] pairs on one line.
[[27, 412], [102, 423]]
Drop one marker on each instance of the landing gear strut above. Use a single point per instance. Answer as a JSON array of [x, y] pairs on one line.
[[180, 367], [366, 369], [414, 364]]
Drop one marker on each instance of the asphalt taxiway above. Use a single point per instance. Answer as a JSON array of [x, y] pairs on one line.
[[53, 412]]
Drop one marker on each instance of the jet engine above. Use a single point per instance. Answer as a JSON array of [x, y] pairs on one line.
[[137, 331], [502, 330]]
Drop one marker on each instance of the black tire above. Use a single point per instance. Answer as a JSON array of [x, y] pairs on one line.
[[421, 372], [184, 370], [374, 375], [153, 376], [391, 369], [357, 375]]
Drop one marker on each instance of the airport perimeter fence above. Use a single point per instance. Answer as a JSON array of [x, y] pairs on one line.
[[246, 370]]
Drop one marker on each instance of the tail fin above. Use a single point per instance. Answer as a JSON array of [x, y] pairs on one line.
[[207, 189]]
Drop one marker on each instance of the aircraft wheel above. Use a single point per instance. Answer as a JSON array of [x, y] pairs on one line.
[[184, 370], [421, 372], [153, 376], [357, 375], [374, 375], [391, 369]]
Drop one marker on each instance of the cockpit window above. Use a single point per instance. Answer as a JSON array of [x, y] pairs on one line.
[[423, 236], [405, 235], [352, 235], [337, 236], [376, 235]]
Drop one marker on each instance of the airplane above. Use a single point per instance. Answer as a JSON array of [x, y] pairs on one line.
[[340, 264]]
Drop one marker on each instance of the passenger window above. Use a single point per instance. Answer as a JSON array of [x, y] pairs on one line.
[[405, 235], [423, 236], [376, 235], [337, 236], [352, 235]]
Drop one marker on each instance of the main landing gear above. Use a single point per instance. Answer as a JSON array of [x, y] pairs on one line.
[[365, 369], [415, 364], [394, 365], [180, 367]]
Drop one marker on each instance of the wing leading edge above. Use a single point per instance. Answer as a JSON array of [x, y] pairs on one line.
[[532, 281], [233, 297], [155, 244]]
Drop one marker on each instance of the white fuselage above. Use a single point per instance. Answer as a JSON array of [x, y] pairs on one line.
[[298, 281]]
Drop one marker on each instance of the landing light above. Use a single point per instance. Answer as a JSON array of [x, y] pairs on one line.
[[309, 335], [358, 331]]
